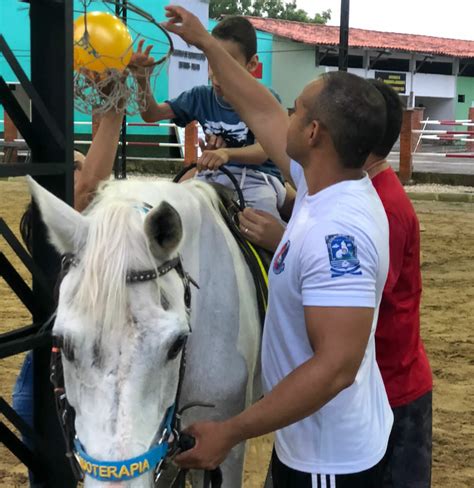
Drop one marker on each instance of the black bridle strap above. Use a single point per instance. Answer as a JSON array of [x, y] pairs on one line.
[[64, 410]]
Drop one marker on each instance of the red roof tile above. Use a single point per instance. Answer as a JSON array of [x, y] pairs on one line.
[[328, 35]]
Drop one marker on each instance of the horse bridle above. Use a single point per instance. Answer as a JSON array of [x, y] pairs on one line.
[[170, 440]]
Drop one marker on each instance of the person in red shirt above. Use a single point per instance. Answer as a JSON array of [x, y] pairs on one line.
[[400, 353]]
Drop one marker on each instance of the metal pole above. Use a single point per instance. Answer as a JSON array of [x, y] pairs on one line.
[[120, 169], [51, 75], [344, 36]]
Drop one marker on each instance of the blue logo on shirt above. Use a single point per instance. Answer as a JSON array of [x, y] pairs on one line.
[[342, 255], [279, 260]]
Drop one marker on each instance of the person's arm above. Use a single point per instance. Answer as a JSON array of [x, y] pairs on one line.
[[261, 228], [214, 159], [256, 105], [141, 66], [99, 159], [338, 336], [287, 208], [338, 312]]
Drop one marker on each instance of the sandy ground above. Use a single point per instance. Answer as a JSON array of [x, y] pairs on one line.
[[447, 311]]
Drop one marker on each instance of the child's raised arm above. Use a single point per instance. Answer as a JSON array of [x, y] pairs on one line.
[[141, 66], [99, 160]]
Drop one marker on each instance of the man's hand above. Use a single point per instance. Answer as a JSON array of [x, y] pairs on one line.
[[186, 25], [212, 160], [261, 228], [141, 63], [213, 443]]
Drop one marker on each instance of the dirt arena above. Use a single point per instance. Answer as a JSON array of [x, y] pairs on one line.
[[447, 312]]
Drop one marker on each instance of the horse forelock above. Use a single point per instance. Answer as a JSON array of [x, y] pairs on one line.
[[116, 243]]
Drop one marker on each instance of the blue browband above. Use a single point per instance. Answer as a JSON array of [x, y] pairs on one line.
[[129, 468]]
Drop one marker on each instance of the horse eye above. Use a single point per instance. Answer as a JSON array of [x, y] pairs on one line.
[[65, 344], [177, 346]]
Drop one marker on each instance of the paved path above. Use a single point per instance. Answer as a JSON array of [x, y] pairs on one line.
[[437, 164]]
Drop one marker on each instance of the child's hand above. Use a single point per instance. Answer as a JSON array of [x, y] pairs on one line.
[[186, 25], [212, 142], [212, 159], [141, 63]]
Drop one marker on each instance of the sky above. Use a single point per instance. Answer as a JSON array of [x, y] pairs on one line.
[[428, 17]]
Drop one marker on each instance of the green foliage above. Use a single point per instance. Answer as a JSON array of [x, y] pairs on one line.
[[273, 9]]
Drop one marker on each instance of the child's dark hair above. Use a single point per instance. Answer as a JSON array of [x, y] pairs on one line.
[[239, 30]]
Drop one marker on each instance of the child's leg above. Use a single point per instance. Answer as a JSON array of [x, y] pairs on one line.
[[261, 191]]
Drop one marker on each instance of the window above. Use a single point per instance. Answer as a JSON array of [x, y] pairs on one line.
[[466, 69], [332, 59], [434, 67]]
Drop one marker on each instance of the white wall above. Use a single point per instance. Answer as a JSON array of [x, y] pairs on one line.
[[184, 71], [424, 84], [429, 85], [437, 109]]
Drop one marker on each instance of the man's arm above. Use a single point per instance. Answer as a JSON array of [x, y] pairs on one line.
[[338, 336], [99, 159], [255, 104], [141, 66]]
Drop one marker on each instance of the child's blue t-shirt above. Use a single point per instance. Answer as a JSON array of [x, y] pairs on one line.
[[217, 117]]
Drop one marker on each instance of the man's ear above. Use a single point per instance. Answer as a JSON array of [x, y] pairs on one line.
[[252, 65], [315, 130]]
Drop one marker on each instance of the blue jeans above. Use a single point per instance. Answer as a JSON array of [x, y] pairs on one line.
[[22, 403], [23, 394]]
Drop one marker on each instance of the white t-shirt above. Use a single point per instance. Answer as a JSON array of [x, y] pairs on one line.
[[334, 253]]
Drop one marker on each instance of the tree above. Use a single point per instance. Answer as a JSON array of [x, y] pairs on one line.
[[273, 9]]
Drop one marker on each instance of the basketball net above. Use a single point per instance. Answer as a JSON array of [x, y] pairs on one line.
[[113, 89]]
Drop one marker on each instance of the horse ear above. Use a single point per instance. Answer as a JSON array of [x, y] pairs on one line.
[[164, 229], [67, 228]]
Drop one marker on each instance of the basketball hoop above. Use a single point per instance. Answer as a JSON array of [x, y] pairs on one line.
[[103, 46]]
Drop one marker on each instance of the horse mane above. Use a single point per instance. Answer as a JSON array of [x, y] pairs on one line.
[[116, 243]]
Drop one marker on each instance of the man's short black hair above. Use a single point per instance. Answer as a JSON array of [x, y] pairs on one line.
[[354, 114], [239, 30], [394, 118]]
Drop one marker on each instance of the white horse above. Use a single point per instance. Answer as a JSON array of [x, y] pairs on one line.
[[122, 338]]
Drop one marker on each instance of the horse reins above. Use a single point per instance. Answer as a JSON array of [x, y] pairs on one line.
[[248, 250]]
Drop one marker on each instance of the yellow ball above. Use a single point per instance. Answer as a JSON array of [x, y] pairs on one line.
[[107, 45]]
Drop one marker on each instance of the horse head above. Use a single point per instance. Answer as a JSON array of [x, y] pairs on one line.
[[121, 324]]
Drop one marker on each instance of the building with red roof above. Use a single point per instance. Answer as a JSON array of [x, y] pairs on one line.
[[432, 72]]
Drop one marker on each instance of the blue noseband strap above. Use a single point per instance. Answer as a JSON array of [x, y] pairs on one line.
[[129, 468]]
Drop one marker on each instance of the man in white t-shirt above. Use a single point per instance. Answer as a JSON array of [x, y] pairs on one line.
[[324, 393]]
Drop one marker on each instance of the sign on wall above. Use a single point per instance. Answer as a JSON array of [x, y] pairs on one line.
[[398, 81], [188, 65]]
